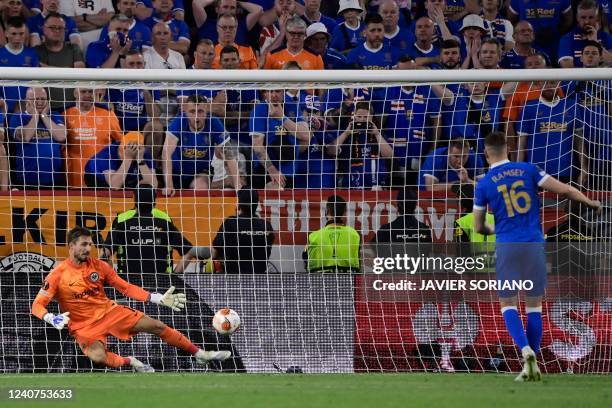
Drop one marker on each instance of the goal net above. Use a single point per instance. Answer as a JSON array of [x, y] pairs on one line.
[[79, 148]]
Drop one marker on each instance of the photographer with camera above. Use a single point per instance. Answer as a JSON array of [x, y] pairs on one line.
[[362, 151]]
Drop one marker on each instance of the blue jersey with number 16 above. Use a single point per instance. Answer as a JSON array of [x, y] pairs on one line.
[[510, 189]]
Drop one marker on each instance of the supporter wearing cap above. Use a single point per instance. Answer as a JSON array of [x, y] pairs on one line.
[[244, 241], [347, 35], [317, 41], [227, 25], [296, 34], [473, 32], [122, 165]]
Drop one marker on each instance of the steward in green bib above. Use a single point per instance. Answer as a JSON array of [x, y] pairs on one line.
[[335, 247]]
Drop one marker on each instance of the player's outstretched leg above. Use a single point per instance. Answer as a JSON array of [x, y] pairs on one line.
[[514, 325], [99, 355], [176, 339]]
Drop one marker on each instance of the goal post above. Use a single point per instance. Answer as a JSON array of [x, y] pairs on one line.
[[364, 136]]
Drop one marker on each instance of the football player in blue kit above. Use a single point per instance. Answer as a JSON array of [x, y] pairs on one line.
[[510, 190]]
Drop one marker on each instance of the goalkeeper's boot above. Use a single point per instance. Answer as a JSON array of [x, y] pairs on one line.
[[140, 367], [523, 375], [204, 357]]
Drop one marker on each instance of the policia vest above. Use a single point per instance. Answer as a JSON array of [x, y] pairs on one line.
[[144, 242], [334, 248]]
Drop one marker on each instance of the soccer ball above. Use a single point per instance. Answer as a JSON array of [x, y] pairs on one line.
[[226, 321]]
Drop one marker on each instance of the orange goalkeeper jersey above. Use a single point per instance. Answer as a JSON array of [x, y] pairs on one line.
[[80, 291]]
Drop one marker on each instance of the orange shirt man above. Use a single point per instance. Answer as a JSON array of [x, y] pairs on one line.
[[90, 129], [248, 60], [306, 59]]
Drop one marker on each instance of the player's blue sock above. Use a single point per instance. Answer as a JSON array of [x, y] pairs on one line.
[[534, 327], [515, 326]]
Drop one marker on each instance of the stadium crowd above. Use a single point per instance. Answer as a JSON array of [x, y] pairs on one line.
[[430, 136]]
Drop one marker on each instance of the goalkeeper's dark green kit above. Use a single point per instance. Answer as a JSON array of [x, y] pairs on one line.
[[144, 245]]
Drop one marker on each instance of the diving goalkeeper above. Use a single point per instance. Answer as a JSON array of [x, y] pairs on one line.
[[78, 286]]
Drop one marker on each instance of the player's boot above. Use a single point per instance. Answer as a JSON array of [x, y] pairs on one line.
[[530, 362], [204, 357], [140, 367], [523, 375]]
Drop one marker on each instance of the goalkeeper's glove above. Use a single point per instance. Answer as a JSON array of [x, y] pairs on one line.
[[57, 321], [175, 301]]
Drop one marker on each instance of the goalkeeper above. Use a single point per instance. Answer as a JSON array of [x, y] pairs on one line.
[[78, 286], [143, 240]]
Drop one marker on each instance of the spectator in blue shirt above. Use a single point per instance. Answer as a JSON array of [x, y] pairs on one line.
[[595, 113], [106, 53], [317, 42], [588, 28], [497, 27], [446, 166], [246, 13], [549, 18], [445, 29], [347, 34], [546, 132], [362, 151], [144, 9], [180, 31], [38, 136], [395, 37], [36, 23], [139, 33], [312, 14], [374, 53], [15, 54], [124, 165], [277, 141], [424, 50], [188, 150], [523, 47]]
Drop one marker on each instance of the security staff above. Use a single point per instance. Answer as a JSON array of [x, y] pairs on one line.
[[464, 226], [405, 228], [143, 240], [244, 241], [335, 247]]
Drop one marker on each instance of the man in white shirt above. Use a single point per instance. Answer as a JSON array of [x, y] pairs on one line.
[[90, 16], [160, 56]]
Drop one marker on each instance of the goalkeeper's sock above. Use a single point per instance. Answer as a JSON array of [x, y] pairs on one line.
[[534, 327], [115, 361], [176, 339], [515, 326]]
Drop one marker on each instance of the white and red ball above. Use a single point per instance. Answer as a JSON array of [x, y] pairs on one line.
[[226, 321]]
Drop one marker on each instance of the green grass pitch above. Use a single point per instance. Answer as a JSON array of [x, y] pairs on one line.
[[293, 390]]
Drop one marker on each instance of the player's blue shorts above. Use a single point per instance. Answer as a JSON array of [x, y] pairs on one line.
[[520, 262]]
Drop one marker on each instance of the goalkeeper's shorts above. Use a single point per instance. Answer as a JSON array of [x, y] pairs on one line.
[[118, 323]]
